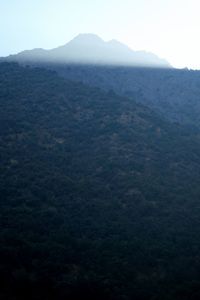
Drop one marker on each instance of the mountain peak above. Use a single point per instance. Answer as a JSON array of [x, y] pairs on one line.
[[89, 48], [87, 38]]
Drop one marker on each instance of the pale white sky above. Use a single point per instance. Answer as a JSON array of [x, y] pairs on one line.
[[168, 28]]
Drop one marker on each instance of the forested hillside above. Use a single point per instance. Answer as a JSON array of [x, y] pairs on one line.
[[99, 194], [174, 94]]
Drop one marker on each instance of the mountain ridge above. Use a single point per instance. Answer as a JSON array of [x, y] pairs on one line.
[[91, 49]]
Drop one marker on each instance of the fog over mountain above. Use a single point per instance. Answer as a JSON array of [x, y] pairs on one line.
[[91, 49]]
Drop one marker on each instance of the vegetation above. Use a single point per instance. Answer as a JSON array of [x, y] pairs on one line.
[[99, 195], [173, 94]]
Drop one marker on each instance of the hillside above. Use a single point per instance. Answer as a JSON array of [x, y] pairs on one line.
[[99, 195], [173, 94]]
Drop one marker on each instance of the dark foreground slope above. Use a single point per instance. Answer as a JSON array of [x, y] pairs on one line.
[[99, 196]]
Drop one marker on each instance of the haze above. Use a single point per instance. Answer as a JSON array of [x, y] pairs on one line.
[[168, 28]]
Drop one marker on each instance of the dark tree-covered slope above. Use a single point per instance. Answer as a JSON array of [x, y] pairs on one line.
[[99, 195], [173, 93]]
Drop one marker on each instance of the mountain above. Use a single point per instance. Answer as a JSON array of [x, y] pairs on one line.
[[99, 195], [90, 49]]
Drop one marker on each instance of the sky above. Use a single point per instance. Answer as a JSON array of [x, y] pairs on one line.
[[168, 28]]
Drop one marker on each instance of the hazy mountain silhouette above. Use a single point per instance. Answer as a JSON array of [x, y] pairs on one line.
[[91, 49]]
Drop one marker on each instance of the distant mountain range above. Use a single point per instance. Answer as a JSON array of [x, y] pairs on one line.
[[91, 49]]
